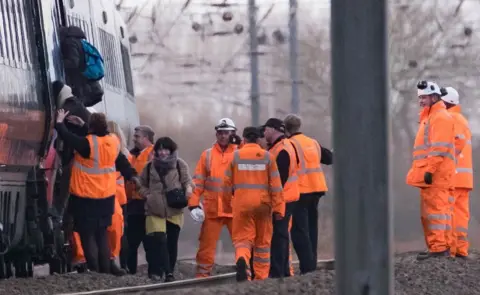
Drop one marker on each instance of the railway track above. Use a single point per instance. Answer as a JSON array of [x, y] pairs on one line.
[[222, 279]]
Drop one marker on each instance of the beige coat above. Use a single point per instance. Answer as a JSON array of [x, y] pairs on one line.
[[156, 203]]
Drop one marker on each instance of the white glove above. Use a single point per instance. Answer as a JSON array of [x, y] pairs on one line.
[[197, 215]]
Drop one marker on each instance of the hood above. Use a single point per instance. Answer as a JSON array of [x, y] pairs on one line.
[[72, 31]]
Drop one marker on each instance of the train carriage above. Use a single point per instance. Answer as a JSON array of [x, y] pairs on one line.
[[30, 59]]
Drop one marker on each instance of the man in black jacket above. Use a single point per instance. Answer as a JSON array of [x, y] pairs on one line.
[[90, 92]]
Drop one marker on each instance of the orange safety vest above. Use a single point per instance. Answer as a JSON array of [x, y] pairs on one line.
[[138, 163], [433, 150], [253, 176], [208, 180], [310, 173], [94, 177], [464, 168], [291, 192]]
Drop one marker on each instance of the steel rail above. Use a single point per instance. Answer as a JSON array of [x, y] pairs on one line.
[[215, 280]]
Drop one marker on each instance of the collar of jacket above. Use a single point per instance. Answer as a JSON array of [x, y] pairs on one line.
[[280, 138], [293, 134], [230, 148], [455, 109], [251, 144], [433, 108]]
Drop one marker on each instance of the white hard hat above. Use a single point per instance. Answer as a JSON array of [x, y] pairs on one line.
[[225, 124], [428, 88], [451, 96]]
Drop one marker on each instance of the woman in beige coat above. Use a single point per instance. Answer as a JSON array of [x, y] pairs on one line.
[[164, 173]]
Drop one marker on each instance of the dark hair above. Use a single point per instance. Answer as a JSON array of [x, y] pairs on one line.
[[165, 143], [98, 124]]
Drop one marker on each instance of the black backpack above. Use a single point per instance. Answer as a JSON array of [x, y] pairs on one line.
[[176, 197]]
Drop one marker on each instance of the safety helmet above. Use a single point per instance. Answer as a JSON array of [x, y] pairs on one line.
[[428, 88], [225, 124], [450, 95]]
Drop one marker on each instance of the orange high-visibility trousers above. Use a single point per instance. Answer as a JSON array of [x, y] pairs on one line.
[[436, 217], [461, 217], [209, 235], [252, 230], [114, 232]]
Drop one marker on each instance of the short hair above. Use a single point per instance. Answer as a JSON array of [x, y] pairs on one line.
[[147, 131], [165, 143], [292, 123], [98, 123]]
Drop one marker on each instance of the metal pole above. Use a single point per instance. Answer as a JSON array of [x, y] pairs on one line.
[[254, 91], [293, 42], [363, 215]]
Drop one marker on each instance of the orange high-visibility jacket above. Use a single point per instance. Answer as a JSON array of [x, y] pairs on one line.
[[463, 149], [138, 163], [208, 180], [121, 193], [94, 177], [253, 178], [310, 173], [291, 192], [433, 150]]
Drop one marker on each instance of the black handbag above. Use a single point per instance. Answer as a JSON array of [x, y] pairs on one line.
[[176, 197]]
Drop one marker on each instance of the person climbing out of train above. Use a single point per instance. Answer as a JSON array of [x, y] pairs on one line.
[[115, 230], [463, 178], [93, 186], [253, 183], [73, 44], [433, 169], [217, 211], [284, 154], [166, 185], [312, 186], [142, 153]]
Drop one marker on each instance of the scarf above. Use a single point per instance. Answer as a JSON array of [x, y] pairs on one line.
[[163, 166]]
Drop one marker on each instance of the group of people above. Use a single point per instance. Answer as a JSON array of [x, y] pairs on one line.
[[442, 169]]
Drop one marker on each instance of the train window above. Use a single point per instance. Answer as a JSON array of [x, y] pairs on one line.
[[22, 36], [110, 56], [8, 30], [104, 16], [127, 70], [3, 35], [72, 3], [122, 32]]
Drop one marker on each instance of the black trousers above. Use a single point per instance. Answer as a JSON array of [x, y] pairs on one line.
[[96, 248], [162, 250], [279, 253], [135, 236], [124, 241], [305, 230]]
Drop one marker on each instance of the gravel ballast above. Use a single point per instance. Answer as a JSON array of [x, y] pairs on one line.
[[435, 276]]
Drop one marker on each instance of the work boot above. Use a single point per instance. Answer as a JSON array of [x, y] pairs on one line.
[[427, 255], [241, 270], [81, 267], [169, 278], [116, 270], [155, 277]]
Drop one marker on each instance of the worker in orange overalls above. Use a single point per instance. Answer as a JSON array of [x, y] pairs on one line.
[[253, 179], [284, 154], [135, 227], [433, 170], [463, 179], [217, 211], [312, 186]]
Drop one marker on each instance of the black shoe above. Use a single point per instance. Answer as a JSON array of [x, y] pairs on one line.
[[81, 267], [169, 278], [427, 255], [154, 277], [241, 270], [116, 270]]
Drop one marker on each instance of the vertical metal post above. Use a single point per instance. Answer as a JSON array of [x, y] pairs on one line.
[[363, 215], [293, 42], [254, 91]]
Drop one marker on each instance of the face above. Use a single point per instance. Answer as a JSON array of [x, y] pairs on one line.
[[427, 100], [223, 137], [268, 133], [263, 143], [139, 140], [163, 153]]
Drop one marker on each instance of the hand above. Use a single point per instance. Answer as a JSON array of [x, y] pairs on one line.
[[75, 120], [61, 114], [428, 178], [197, 215], [277, 216]]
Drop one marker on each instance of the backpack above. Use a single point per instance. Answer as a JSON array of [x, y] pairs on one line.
[[94, 69]]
